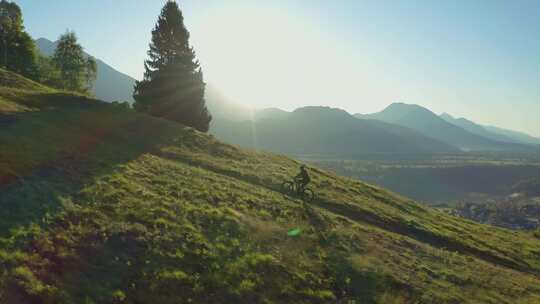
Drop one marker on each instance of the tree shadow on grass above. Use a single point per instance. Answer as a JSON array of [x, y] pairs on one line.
[[61, 145]]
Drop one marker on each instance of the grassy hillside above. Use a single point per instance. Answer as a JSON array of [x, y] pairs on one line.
[[103, 205]]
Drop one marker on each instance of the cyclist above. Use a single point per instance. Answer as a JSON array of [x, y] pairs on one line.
[[302, 179]]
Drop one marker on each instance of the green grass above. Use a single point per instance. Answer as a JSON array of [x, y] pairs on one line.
[[104, 205], [13, 80]]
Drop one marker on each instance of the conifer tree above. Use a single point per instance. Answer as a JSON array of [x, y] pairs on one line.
[[173, 86]]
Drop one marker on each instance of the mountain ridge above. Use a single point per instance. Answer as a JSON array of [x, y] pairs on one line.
[[495, 133], [517, 135], [327, 131], [430, 124], [475, 128]]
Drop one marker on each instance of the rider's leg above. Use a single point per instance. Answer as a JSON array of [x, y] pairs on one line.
[[303, 186]]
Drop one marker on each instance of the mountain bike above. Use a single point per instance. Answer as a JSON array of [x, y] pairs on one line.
[[293, 188]]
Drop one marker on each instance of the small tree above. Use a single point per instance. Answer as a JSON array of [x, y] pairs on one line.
[[90, 72], [17, 49], [48, 74], [77, 72], [173, 86]]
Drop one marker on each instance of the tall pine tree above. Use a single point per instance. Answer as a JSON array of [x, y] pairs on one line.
[[173, 86]]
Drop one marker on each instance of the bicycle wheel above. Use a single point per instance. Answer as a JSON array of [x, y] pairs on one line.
[[287, 187], [308, 195]]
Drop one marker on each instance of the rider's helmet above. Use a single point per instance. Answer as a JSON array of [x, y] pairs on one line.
[[303, 167]]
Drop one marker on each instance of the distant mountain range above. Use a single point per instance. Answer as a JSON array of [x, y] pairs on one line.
[[494, 133], [111, 85], [474, 128], [324, 131], [463, 134], [399, 129]]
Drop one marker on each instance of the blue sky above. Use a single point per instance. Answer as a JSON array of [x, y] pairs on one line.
[[474, 58]]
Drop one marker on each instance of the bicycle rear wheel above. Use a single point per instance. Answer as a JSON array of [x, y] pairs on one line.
[[308, 195], [287, 187]]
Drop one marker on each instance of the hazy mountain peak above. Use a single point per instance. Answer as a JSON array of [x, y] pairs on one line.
[[516, 136], [271, 113], [274, 109], [400, 106], [43, 40], [322, 112], [409, 115], [45, 46], [492, 133], [456, 132], [446, 116]]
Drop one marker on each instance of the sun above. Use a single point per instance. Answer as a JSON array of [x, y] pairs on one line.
[[263, 56]]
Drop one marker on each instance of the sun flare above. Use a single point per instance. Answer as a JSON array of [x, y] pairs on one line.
[[265, 57]]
